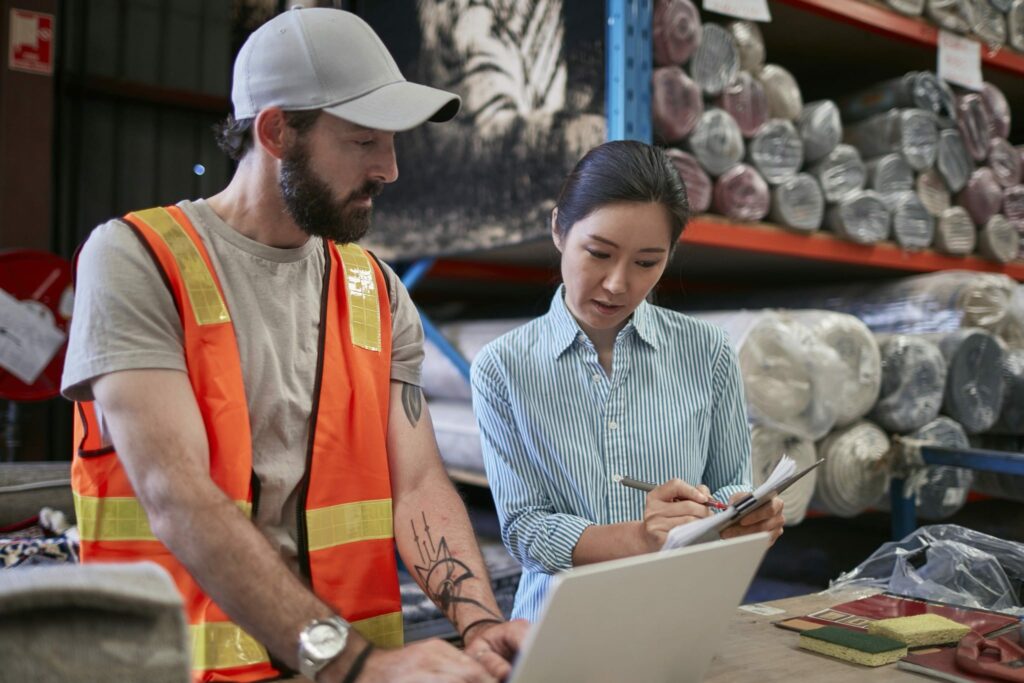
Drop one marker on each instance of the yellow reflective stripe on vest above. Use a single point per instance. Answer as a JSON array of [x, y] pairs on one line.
[[363, 305], [385, 630], [223, 645], [349, 522], [119, 519], [207, 305]]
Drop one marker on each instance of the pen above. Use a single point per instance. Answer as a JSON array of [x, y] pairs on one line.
[[647, 487]]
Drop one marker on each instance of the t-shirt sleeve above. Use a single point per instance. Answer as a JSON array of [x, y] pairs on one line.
[[124, 316], [406, 332]]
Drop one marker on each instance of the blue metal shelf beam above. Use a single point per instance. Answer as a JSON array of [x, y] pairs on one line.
[[628, 69]]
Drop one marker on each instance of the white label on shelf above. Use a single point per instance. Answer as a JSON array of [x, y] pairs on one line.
[[28, 340], [960, 60], [754, 10]]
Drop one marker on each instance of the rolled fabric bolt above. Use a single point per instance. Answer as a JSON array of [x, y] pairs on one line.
[[853, 475], [841, 173], [975, 125], [911, 132], [988, 23], [776, 151], [767, 446], [798, 203], [911, 8], [1011, 417], [999, 240], [820, 129], [745, 100], [1013, 203], [862, 218], [952, 15], [913, 227], [1001, 5], [784, 98], [676, 103], [1015, 25], [953, 161], [698, 184], [941, 490], [982, 196], [998, 109], [716, 61], [750, 44], [889, 173], [913, 383], [741, 194], [717, 142], [914, 90], [1004, 161], [931, 190], [974, 377], [955, 233], [676, 31]]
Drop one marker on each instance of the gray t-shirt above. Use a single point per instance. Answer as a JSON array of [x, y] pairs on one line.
[[125, 318]]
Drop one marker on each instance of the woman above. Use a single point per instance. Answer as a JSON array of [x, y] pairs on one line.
[[606, 383]]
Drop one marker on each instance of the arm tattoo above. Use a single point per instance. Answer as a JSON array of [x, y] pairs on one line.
[[442, 575], [412, 402]]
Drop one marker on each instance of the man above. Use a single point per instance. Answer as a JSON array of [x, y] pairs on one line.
[[257, 374]]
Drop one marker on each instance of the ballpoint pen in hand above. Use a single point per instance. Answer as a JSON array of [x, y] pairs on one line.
[[647, 487]]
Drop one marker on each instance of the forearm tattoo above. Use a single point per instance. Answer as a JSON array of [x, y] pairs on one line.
[[443, 576], [412, 402]]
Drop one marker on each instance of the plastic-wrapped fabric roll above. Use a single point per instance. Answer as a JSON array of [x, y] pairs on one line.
[[913, 383], [952, 160], [999, 240], [940, 491], [1001, 5], [855, 473], [912, 226], [974, 377], [798, 203], [741, 194], [676, 103], [862, 218], [955, 233], [889, 173], [858, 352], [746, 102], [820, 129], [1011, 328], [716, 61], [716, 142], [776, 151], [982, 196], [989, 23], [1011, 417], [931, 189], [441, 380], [974, 124], [912, 8], [784, 98], [789, 375], [750, 43], [1004, 160], [698, 184], [998, 109], [767, 447], [910, 132], [841, 173], [1013, 203], [913, 90], [952, 15], [1015, 25], [998, 485], [676, 31]]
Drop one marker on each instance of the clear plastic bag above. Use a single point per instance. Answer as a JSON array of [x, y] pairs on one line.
[[946, 563]]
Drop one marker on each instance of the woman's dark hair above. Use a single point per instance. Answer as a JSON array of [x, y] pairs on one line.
[[234, 136], [622, 171]]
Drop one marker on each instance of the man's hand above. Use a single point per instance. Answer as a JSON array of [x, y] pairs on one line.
[[673, 503], [766, 518], [496, 645], [429, 661]]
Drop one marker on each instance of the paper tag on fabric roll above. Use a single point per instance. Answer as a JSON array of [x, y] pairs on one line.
[[753, 10], [960, 60]]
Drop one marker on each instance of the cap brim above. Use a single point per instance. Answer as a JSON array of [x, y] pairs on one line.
[[398, 106]]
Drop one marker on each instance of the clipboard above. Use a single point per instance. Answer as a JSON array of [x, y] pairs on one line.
[[747, 505]]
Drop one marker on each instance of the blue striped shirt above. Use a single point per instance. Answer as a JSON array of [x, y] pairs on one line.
[[555, 428]]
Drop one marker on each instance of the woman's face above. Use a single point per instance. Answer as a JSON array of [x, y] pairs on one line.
[[611, 260]]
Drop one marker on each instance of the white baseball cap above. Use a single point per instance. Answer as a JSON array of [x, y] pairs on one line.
[[322, 58]]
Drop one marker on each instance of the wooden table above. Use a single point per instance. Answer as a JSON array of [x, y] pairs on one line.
[[756, 650]]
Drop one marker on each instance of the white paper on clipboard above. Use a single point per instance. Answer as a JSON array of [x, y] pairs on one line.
[[28, 341]]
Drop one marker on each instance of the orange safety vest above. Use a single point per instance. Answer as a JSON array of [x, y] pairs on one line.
[[346, 540]]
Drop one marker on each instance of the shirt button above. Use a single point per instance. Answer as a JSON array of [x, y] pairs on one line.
[[596, 377], [613, 425]]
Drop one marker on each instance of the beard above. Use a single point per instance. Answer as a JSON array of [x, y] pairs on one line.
[[311, 204]]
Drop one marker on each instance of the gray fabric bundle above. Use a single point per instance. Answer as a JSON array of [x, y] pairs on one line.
[[1004, 160], [998, 240], [940, 491], [675, 31], [116, 623], [910, 132], [931, 190], [911, 8], [913, 383], [458, 437], [889, 173], [982, 196], [784, 98], [741, 194], [841, 173], [913, 227], [750, 44], [441, 380], [998, 109], [746, 102], [716, 61], [989, 23], [862, 218], [952, 15], [820, 129], [974, 377], [855, 473], [952, 160], [676, 103], [798, 203], [914, 90], [1011, 417], [1013, 204], [1015, 25], [767, 447], [698, 184], [975, 125], [717, 142], [955, 233], [776, 151], [998, 485]]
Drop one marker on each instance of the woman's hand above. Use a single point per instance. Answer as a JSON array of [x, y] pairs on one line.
[[673, 503], [766, 518]]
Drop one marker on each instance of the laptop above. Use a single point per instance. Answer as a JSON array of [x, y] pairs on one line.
[[653, 618]]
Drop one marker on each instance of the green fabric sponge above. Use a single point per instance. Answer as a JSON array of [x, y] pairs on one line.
[[920, 629], [853, 646]]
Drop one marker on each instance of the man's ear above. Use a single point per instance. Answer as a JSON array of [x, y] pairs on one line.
[[271, 131], [556, 237]]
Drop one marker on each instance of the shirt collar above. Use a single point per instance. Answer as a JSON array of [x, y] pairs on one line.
[[565, 330]]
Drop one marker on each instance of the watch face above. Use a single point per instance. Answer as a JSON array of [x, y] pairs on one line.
[[324, 641]]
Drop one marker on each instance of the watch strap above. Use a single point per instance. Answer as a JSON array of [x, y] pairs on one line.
[[357, 664]]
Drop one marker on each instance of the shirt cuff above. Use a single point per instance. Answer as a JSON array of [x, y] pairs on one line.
[[563, 533]]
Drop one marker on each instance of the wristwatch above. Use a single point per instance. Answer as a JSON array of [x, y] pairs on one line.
[[320, 643]]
